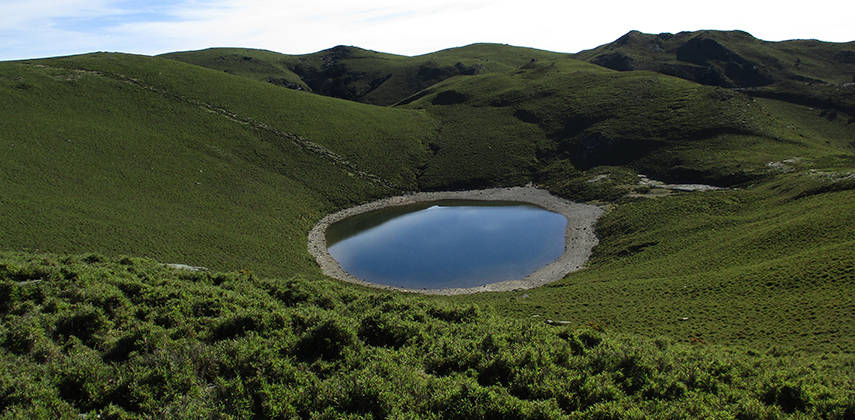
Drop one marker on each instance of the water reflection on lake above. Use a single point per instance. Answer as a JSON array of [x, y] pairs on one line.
[[447, 243]]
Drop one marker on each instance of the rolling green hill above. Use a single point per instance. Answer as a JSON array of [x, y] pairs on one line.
[[807, 72], [148, 156], [735, 302], [728, 58], [568, 114], [362, 75]]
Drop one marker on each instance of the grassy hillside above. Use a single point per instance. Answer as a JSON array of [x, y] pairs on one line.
[[551, 119], [145, 156], [362, 75], [728, 58], [807, 72], [261, 65], [736, 263], [362, 134], [727, 303]]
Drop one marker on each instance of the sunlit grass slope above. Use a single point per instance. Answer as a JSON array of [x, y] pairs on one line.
[[366, 135], [261, 65], [766, 263], [145, 156]]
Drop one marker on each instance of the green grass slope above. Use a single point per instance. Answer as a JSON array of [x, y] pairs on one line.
[[738, 264], [362, 75], [728, 58], [364, 135], [262, 65], [145, 156], [735, 263]]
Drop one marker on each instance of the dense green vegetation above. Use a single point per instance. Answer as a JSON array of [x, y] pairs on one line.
[[727, 303], [130, 337]]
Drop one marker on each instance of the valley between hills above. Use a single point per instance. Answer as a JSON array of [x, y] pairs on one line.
[[728, 302]]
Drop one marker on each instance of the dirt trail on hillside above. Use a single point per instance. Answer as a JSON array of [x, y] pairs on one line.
[[579, 236]]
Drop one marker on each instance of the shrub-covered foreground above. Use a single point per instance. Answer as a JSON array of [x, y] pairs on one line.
[[134, 338]]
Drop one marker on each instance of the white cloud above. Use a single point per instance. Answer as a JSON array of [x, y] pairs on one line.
[[24, 14]]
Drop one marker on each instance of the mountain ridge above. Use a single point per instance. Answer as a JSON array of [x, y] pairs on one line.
[[788, 70]]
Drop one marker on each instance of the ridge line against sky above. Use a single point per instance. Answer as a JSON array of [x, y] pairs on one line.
[[44, 28]]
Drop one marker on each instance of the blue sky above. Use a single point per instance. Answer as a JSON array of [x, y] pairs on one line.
[[115, 14], [42, 28]]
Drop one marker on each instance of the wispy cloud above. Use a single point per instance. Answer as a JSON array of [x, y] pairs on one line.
[[36, 28]]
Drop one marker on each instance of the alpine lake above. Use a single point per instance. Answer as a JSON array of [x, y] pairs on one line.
[[448, 243]]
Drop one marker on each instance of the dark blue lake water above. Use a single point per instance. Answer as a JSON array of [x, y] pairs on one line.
[[447, 243]]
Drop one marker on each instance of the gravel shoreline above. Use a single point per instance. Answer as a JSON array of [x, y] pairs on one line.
[[579, 236]]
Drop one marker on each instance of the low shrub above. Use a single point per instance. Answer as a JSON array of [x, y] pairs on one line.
[[327, 340], [185, 347], [386, 329]]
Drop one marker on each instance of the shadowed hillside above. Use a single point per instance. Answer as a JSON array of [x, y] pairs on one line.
[[558, 115], [807, 72]]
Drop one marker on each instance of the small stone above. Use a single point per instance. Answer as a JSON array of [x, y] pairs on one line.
[[185, 267]]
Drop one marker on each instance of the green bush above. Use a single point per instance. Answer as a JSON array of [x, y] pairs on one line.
[[789, 396], [83, 322], [386, 329], [7, 295], [21, 334], [327, 340], [237, 325]]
